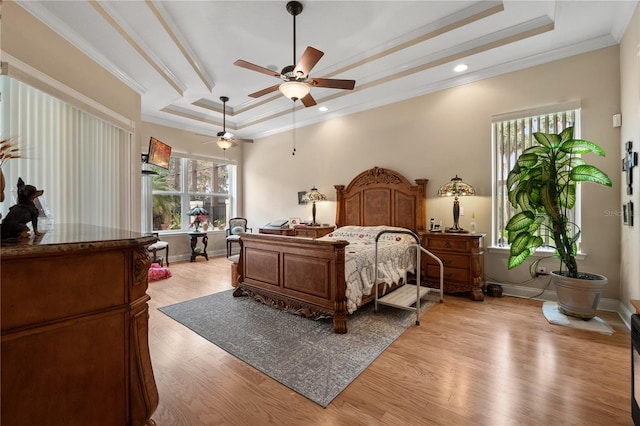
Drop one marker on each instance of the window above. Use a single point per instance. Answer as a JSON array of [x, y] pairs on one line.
[[190, 183], [511, 134]]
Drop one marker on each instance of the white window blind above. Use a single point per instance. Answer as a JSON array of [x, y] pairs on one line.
[[83, 164], [511, 134]]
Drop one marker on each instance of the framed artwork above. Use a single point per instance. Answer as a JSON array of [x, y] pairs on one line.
[[301, 199], [627, 213]]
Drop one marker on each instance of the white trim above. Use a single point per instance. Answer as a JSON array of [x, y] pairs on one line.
[[543, 110], [609, 305], [15, 68], [540, 252]]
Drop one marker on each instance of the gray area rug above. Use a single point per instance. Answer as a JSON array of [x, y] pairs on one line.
[[302, 354]]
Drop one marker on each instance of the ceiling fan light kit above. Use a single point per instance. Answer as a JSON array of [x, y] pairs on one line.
[[226, 139], [224, 144], [297, 84], [294, 90]]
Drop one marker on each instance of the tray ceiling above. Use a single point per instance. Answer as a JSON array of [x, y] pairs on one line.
[[179, 54]]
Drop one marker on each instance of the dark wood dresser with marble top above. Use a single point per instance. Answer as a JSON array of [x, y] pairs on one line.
[[75, 329]]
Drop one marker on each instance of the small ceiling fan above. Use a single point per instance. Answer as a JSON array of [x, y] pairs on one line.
[[297, 83], [226, 139]]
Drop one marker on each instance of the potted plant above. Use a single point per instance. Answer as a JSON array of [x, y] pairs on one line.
[[542, 185]]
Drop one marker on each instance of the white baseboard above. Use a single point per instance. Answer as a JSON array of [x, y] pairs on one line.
[[610, 305]]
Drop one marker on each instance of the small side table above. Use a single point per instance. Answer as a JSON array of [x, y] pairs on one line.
[[193, 237]]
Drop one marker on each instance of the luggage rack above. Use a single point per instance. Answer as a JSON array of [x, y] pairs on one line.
[[408, 295]]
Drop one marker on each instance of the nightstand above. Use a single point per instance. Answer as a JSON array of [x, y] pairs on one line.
[[463, 258], [312, 231]]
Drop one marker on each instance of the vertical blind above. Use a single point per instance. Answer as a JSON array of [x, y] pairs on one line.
[[513, 133], [83, 164]]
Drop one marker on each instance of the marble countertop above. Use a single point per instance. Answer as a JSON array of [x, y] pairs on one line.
[[73, 237]]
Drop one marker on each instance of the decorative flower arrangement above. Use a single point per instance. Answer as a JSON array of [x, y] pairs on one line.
[[7, 151]]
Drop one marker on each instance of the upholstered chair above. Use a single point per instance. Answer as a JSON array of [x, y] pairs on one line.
[[237, 226]]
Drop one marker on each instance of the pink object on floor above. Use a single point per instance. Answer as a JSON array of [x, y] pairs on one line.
[[157, 272]]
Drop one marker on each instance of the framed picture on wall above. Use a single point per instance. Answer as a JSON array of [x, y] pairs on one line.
[[301, 199], [627, 213]]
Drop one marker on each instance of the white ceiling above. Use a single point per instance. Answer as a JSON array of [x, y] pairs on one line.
[[179, 54]]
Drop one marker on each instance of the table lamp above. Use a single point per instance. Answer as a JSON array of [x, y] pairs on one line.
[[313, 196], [197, 212], [456, 188]]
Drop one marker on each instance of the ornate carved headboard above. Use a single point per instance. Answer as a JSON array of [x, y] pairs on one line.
[[382, 197]]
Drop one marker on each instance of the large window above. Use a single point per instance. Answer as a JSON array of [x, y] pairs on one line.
[[511, 134], [190, 183]]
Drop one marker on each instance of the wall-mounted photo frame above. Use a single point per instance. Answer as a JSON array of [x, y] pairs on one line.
[[301, 199], [627, 213]]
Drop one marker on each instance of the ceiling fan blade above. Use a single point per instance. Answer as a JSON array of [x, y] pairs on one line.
[[264, 91], [308, 100], [309, 59], [248, 65], [332, 83], [243, 140]]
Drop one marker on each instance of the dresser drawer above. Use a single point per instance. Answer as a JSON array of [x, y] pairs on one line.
[[450, 274], [452, 244], [449, 260], [305, 233], [312, 231]]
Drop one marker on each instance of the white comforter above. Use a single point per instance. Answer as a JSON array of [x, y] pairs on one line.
[[395, 258]]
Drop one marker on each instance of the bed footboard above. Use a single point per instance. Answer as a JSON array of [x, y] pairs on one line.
[[299, 275]]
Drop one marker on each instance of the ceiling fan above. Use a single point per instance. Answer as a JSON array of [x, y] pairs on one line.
[[297, 83], [226, 139]]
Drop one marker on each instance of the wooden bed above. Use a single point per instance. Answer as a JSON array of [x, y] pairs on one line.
[[307, 276]]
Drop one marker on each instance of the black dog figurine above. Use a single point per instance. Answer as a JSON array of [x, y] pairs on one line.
[[14, 225]]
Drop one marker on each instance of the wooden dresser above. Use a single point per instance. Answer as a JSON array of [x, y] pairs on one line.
[[463, 258], [75, 329]]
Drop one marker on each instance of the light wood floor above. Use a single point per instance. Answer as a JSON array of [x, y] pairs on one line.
[[496, 362]]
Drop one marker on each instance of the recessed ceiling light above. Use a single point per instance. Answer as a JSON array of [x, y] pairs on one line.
[[461, 67], [323, 109]]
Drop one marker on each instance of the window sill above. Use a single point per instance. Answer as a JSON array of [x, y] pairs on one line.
[[537, 254]]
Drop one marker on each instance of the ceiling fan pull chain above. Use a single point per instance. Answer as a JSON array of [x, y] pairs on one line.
[[293, 120]]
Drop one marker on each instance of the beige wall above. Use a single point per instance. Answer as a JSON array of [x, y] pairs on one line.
[[630, 101], [442, 134]]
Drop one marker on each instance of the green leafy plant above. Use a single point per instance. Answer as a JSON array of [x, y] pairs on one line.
[[542, 185]]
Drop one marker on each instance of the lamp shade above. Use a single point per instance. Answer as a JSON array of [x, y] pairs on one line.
[[456, 188], [294, 90], [314, 195], [224, 143]]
